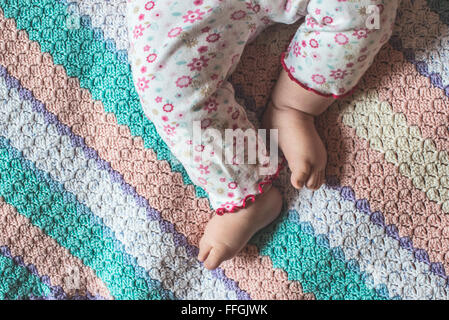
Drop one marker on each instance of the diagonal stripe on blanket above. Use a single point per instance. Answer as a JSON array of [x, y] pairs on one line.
[[86, 181]]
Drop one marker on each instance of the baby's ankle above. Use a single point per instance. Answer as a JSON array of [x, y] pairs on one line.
[[288, 94], [292, 110]]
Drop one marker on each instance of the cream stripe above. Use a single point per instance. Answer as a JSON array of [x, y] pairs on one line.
[[388, 132]]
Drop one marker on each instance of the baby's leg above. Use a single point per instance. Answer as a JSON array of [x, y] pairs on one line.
[[328, 55], [298, 137], [181, 54]]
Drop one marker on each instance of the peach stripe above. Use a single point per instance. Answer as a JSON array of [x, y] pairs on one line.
[[152, 179], [373, 178], [425, 106], [30, 243]]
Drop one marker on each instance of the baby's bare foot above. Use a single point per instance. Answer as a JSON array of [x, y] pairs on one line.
[[227, 235], [300, 143]]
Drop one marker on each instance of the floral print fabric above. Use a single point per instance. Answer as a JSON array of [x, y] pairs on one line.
[[182, 53]]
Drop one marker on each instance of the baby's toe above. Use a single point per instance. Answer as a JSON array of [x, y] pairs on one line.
[[314, 181], [205, 248], [300, 175], [217, 255]]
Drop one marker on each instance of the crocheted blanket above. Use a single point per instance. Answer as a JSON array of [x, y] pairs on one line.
[[94, 206]]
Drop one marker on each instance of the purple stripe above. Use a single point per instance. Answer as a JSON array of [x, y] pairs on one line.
[[377, 218], [56, 292], [421, 66], [152, 214]]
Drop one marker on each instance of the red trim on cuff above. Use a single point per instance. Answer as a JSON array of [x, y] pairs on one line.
[[252, 197], [304, 86]]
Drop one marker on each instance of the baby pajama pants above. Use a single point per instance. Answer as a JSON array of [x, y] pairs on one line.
[[182, 52]]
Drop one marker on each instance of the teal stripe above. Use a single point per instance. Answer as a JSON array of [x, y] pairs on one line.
[[17, 283], [73, 226], [309, 260], [84, 55]]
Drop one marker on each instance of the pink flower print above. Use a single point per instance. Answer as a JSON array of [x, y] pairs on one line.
[[297, 49], [327, 20], [198, 64], [149, 5], [158, 99], [339, 74], [361, 33], [203, 169], [341, 39], [205, 123], [183, 82], [141, 16], [238, 15], [168, 107], [203, 49], [229, 206], [211, 105], [214, 37], [138, 31], [232, 185], [198, 2], [156, 14], [142, 84], [151, 58], [200, 148], [193, 16], [318, 79], [313, 43], [311, 22], [255, 8], [205, 30], [202, 181], [169, 130], [174, 32], [316, 56], [146, 48]]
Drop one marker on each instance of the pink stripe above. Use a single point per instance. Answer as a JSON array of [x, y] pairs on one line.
[[152, 179], [425, 106], [30, 243], [373, 178]]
